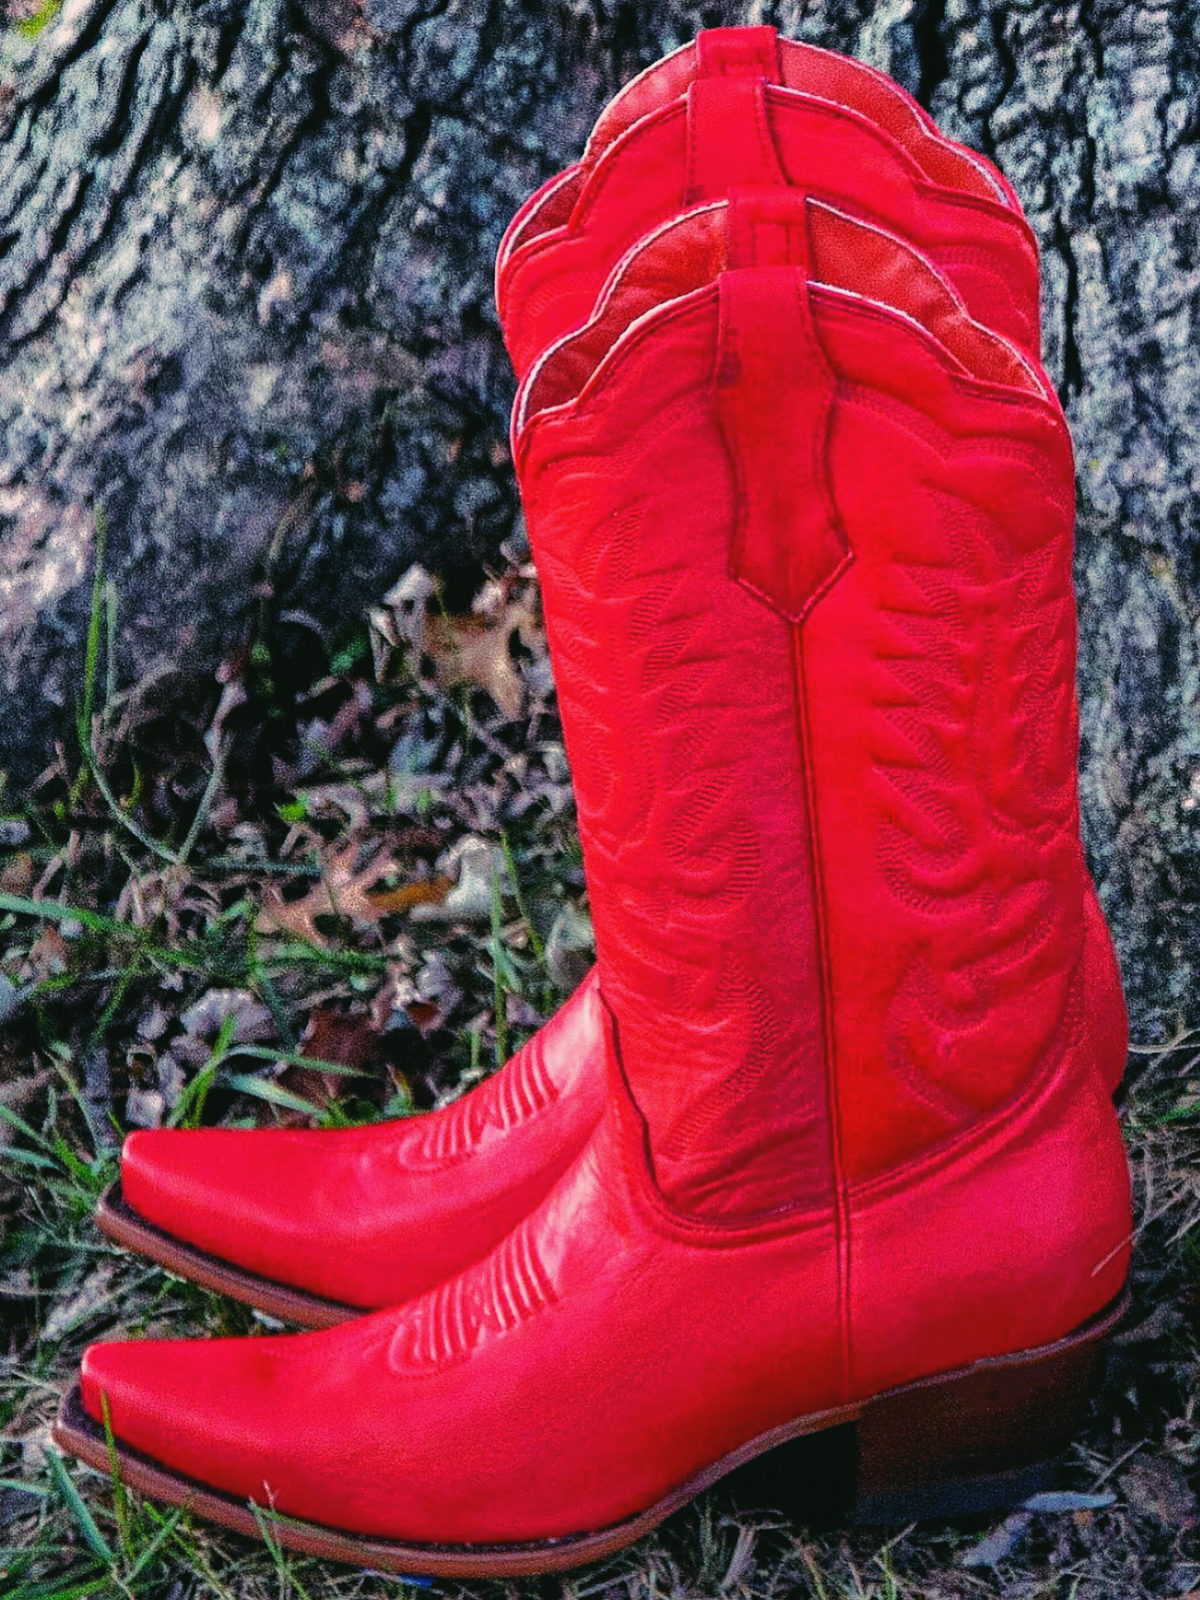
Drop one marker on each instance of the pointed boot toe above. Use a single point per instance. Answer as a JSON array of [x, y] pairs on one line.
[[220, 1423], [316, 1225], [114, 1372], [229, 1209], [172, 1174], [155, 1391]]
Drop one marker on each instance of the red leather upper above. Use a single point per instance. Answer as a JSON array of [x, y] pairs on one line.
[[732, 1250], [759, 54], [934, 674], [370, 1216], [686, 253], [857, 1126], [697, 147]]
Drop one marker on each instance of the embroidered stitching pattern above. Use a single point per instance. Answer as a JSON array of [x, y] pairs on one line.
[[515, 1094], [975, 651], [498, 1294], [653, 688]]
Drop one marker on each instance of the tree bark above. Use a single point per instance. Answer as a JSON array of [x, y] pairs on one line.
[[245, 307]]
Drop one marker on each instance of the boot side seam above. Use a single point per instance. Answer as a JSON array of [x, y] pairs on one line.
[[841, 1198]]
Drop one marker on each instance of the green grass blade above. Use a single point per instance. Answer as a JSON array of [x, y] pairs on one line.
[[170, 1523], [55, 911], [19, 1123], [189, 1108], [27, 1158], [92, 656], [535, 939], [50, 1590], [120, 1499], [499, 988], [270, 996], [274, 1093], [94, 1539], [293, 1059], [120, 988]]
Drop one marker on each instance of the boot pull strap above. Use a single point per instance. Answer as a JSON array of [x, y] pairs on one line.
[[729, 139], [768, 228], [739, 53], [774, 390]]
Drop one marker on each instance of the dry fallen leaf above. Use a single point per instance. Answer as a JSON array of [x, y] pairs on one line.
[[480, 869], [16, 876], [1054, 1502], [49, 954], [400, 619], [205, 1017], [1157, 1488], [474, 651], [570, 947], [144, 1108], [424, 1015], [425, 892], [340, 1036], [349, 1039], [1001, 1543], [342, 891], [429, 996]]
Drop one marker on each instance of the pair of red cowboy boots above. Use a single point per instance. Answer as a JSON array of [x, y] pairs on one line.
[[827, 1136]]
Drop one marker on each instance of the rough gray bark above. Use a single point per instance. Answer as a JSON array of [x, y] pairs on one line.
[[245, 304]]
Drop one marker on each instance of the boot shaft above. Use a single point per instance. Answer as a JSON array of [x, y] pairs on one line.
[[727, 132], [690, 251], [761, 55], [808, 594]]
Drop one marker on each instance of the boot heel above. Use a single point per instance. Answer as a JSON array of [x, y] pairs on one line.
[[983, 1438]]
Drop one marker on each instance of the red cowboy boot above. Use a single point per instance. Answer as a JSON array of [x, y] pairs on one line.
[[552, 222], [268, 1217], [808, 589], [882, 162], [185, 1195], [558, 244]]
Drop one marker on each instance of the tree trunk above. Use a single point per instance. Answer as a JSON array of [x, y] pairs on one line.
[[245, 307]]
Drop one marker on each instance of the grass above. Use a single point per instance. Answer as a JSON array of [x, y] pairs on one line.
[[140, 978], [30, 19]]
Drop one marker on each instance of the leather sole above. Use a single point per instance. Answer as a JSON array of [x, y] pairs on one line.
[[116, 1218], [976, 1439]]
